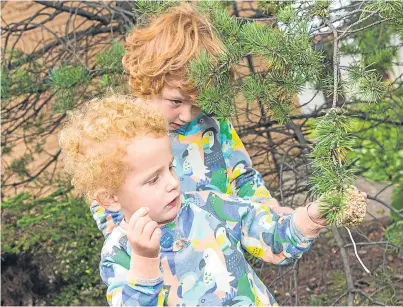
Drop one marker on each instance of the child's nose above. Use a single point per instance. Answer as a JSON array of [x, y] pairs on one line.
[[173, 183], [186, 114]]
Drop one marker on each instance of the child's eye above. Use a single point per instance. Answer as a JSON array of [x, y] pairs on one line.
[[171, 167], [176, 102], [154, 180]]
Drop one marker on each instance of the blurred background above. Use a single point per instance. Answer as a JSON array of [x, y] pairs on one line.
[[58, 54]]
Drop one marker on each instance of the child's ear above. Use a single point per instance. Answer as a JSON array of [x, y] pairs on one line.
[[107, 200]]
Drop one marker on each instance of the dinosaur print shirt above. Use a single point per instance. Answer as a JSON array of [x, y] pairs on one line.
[[202, 258], [208, 155]]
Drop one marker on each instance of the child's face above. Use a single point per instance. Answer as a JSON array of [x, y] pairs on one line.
[[151, 180], [177, 107]]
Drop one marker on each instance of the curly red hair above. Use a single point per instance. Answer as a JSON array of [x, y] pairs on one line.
[[93, 141], [157, 55]]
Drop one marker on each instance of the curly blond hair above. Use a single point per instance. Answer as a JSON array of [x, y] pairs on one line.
[[94, 140], [158, 54]]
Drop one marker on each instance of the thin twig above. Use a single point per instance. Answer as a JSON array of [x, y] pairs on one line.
[[335, 62], [346, 265], [373, 243], [356, 23], [355, 250], [386, 205], [384, 188], [368, 297], [295, 275], [339, 298]]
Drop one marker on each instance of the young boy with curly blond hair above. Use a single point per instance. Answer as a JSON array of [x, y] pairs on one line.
[[171, 248], [208, 153]]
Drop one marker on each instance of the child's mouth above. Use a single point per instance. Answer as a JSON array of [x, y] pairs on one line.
[[173, 203], [175, 126]]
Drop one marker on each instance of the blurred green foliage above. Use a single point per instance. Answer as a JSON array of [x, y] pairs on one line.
[[62, 227]]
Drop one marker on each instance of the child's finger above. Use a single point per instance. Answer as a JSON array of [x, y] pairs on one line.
[[156, 237], [136, 215], [149, 229], [141, 222]]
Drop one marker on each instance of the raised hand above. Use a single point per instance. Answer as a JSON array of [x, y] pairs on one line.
[[144, 234], [353, 214]]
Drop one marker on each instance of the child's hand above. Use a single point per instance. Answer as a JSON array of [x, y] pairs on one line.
[[144, 234], [353, 215]]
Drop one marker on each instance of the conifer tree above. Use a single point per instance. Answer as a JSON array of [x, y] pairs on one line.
[[292, 62]]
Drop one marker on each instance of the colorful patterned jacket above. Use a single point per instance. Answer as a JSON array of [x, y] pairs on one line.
[[209, 155], [202, 258]]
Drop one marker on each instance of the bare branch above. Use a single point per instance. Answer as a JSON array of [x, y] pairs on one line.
[[59, 6], [386, 205]]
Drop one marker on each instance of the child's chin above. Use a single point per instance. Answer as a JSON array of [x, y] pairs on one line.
[[170, 215], [167, 219]]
